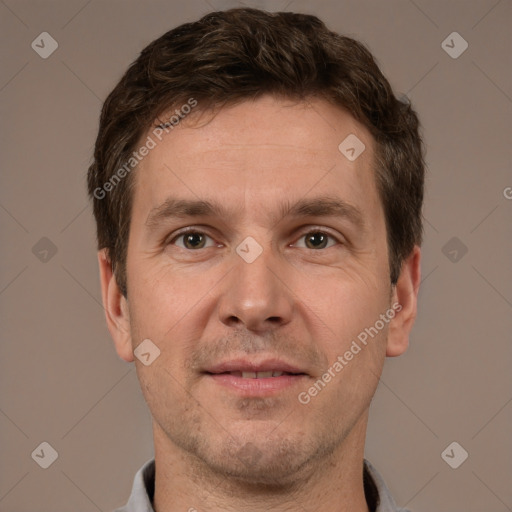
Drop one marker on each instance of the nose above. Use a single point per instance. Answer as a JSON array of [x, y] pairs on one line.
[[255, 295]]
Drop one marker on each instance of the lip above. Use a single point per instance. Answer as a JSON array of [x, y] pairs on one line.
[[260, 387], [255, 387], [244, 365]]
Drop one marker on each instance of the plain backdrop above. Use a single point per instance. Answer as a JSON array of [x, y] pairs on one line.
[[61, 380]]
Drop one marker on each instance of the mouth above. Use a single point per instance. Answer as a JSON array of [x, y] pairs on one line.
[[257, 375], [256, 379]]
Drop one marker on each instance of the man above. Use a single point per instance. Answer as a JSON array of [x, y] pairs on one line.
[[257, 189]]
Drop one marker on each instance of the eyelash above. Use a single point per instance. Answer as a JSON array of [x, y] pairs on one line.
[[314, 230]]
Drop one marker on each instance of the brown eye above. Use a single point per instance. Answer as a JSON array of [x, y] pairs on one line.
[[316, 240], [192, 240]]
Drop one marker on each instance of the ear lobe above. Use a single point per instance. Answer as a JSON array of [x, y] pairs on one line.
[[405, 302], [116, 309]]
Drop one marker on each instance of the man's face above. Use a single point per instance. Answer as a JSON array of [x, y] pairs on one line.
[[213, 304]]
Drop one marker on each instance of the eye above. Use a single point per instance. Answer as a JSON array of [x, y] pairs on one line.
[[192, 240], [317, 239]]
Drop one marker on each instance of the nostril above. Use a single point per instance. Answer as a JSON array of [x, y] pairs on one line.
[[233, 321]]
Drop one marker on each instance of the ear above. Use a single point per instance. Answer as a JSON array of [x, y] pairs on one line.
[[116, 309], [404, 302]]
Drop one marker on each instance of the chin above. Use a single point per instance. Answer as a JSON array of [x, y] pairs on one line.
[[262, 463]]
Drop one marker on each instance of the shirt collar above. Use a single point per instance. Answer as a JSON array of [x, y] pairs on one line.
[[376, 492]]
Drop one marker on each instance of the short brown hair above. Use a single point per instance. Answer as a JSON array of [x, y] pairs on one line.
[[240, 54]]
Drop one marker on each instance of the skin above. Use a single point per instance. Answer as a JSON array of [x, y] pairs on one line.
[[214, 449]]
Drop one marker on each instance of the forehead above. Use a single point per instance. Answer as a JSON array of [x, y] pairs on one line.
[[252, 154]]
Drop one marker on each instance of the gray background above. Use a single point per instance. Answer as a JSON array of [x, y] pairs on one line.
[[61, 380]]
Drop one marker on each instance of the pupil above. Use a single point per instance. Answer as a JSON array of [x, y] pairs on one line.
[[194, 240], [320, 236]]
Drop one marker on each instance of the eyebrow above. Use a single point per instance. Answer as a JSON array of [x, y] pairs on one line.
[[323, 206]]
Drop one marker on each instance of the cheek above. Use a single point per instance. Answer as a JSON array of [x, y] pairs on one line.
[[161, 298], [340, 305], [165, 394], [172, 310], [355, 366]]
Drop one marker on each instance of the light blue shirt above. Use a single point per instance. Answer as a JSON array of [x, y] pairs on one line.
[[144, 487]]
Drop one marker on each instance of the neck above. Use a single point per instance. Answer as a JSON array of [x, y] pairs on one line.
[[331, 483]]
